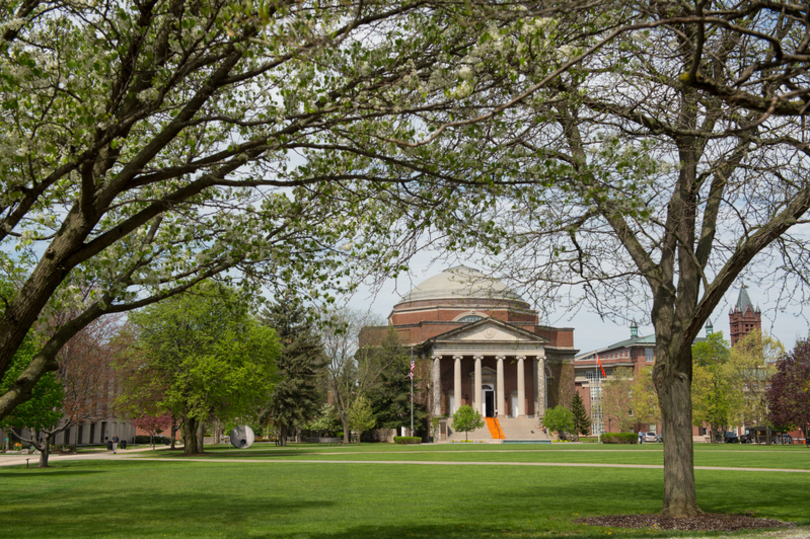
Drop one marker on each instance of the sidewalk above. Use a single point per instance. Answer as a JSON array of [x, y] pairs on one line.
[[33, 460]]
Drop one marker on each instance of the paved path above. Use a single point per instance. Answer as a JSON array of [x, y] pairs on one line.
[[33, 460], [17, 460]]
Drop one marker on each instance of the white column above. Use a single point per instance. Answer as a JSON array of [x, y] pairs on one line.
[[477, 402], [457, 383], [437, 386], [500, 396], [540, 398], [521, 383]]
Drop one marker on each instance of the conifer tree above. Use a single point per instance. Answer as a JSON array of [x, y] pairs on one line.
[[582, 422], [390, 399], [297, 396]]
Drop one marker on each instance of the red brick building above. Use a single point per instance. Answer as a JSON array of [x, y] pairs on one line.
[[483, 346], [743, 317]]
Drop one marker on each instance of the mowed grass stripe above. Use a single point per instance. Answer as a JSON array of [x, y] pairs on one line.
[[796, 459]]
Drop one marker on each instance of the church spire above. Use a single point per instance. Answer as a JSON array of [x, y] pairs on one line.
[[743, 301]]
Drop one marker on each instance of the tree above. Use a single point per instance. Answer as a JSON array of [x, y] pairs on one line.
[[582, 423], [326, 422], [42, 411], [645, 402], [789, 392], [390, 394], [146, 147], [560, 419], [619, 184], [351, 372], [296, 397], [152, 424], [467, 419], [361, 417], [617, 395], [751, 364], [79, 392], [711, 390], [201, 354]]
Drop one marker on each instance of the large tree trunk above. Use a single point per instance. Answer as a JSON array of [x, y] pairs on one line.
[[44, 452], [282, 434], [346, 431], [679, 476], [190, 427], [201, 436]]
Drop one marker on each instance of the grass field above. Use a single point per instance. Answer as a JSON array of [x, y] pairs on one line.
[[366, 495]]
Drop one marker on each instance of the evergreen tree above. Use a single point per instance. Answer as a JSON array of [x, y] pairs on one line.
[[582, 423], [390, 398], [296, 397]]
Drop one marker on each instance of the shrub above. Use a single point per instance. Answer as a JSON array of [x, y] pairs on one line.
[[145, 439], [407, 440], [560, 419], [619, 438]]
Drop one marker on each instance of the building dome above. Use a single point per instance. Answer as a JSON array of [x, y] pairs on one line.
[[461, 282]]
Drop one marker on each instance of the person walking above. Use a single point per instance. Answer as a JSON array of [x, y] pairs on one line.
[[115, 444]]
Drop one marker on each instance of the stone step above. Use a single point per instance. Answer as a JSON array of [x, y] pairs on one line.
[[513, 428]]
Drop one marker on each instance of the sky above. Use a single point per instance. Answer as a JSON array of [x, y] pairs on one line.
[[590, 331]]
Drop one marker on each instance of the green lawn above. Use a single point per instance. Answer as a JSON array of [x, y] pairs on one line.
[[141, 498], [788, 457]]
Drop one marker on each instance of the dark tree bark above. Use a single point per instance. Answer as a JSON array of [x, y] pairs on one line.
[[191, 444]]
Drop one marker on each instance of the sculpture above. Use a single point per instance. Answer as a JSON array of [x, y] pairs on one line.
[[242, 437]]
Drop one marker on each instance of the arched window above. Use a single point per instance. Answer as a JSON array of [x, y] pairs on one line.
[[470, 318]]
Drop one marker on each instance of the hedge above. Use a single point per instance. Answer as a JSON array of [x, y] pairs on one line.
[[619, 438], [407, 440], [145, 439]]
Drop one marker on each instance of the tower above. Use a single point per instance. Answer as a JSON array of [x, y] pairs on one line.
[[743, 318]]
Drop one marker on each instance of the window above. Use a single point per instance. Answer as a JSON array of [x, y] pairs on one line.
[[649, 354], [470, 318]]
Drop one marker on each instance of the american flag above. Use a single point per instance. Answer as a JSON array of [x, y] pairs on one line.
[[412, 366]]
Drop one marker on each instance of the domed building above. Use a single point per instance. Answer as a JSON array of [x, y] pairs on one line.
[[484, 347]]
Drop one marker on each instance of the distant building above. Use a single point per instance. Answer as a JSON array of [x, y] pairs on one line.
[[743, 318], [484, 347], [634, 353]]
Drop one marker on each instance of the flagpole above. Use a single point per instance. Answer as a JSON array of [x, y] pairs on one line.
[[412, 365], [598, 402]]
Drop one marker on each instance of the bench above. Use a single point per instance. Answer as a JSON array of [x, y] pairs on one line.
[[330, 441]]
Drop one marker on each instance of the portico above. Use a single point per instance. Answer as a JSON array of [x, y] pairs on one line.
[[490, 365]]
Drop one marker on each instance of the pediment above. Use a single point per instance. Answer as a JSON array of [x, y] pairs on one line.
[[490, 330]]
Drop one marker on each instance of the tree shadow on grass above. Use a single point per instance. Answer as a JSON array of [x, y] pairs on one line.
[[51, 471], [443, 531], [100, 514]]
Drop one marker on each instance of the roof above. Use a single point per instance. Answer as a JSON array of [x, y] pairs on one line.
[[635, 341], [743, 301], [461, 282]]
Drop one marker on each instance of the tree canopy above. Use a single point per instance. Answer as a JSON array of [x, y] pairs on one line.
[[789, 391], [298, 395], [147, 147], [204, 355]]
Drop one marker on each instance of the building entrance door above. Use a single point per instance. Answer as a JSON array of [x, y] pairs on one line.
[[513, 401], [489, 402]]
